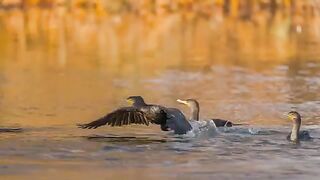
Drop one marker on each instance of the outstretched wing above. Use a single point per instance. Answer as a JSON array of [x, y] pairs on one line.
[[120, 117]]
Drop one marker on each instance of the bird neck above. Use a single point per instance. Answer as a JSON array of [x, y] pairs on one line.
[[195, 113], [295, 130]]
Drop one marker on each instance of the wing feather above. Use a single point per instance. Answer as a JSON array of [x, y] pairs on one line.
[[120, 117]]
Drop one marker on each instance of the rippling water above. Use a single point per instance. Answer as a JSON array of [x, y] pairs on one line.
[[141, 153], [52, 78]]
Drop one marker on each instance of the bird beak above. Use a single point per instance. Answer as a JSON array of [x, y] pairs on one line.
[[285, 115], [182, 101], [129, 101]]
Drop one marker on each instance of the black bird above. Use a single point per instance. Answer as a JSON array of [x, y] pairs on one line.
[[10, 130], [195, 110], [141, 113], [296, 135]]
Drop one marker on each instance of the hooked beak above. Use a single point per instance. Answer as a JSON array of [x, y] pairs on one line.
[[182, 101], [129, 101]]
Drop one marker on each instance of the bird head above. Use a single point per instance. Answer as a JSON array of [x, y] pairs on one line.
[[135, 100], [293, 116], [192, 103]]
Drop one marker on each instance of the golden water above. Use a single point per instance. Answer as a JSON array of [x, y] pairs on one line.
[[59, 67]]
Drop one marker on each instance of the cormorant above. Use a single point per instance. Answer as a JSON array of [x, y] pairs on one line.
[[296, 135], [195, 109], [141, 113], [10, 130]]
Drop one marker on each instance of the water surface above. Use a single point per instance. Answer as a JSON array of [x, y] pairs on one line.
[[60, 67]]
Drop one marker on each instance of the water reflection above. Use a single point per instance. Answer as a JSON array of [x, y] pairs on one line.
[[55, 62], [62, 36], [227, 155]]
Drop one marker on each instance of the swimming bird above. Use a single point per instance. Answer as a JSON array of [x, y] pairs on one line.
[[141, 113], [296, 135], [10, 130], [195, 110]]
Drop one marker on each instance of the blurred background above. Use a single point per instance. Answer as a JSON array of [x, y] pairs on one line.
[[64, 62], [68, 61]]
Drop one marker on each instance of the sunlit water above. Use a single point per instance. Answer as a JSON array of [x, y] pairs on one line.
[[51, 79]]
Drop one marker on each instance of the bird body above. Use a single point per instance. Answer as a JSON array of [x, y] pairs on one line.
[[303, 136], [195, 111], [223, 123], [142, 113], [296, 135], [10, 130], [154, 113], [177, 121]]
